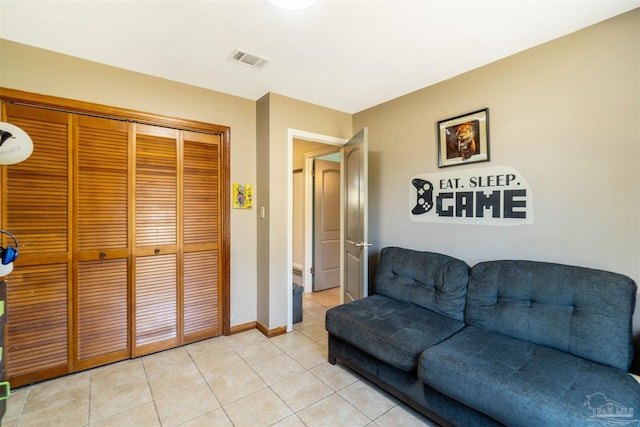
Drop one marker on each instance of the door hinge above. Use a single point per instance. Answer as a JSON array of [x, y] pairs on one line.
[[313, 270]]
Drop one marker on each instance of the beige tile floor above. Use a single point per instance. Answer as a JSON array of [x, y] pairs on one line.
[[240, 380]]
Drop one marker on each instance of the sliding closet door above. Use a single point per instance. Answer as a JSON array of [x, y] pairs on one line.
[[201, 238], [101, 293], [35, 208], [156, 240]]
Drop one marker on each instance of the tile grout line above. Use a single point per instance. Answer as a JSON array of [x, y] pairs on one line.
[[91, 371], [153, 398]]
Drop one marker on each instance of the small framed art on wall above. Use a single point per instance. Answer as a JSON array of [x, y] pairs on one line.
[[464, 139]]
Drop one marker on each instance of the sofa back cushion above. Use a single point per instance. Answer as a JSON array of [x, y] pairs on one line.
[[434, 281], [578, 310]]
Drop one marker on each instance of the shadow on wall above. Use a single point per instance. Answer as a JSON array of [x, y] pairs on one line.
[[375, 207], [374, 258]]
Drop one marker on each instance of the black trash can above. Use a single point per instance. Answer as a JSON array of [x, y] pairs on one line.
[[297, 303]]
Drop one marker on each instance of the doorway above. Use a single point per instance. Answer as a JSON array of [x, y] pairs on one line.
[[304, 148], [323, 161]]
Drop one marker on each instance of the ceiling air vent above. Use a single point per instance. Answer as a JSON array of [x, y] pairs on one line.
[[249, 59]]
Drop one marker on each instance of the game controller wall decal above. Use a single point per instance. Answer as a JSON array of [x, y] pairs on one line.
[[496, 195], [425, 196]]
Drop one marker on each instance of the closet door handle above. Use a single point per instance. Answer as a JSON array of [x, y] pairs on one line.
[[157, 251], [102, 255]]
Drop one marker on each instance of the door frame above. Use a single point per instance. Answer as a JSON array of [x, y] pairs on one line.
[[306, 274]]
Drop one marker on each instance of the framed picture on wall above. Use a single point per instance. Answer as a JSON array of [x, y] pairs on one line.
[[464, 139], [242, 196]]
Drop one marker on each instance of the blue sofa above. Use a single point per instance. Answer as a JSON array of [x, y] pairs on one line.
[[516, 343]]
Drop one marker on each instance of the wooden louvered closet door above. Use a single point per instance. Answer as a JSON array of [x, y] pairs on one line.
[[156, 240], [201, 239], [101, 186], [35, 208], [123, 248]]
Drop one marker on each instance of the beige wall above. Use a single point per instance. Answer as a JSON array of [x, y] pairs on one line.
[[276, 115], [566, 115], [36, 70]]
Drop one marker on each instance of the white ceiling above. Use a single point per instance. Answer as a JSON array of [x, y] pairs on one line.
[[344, 54]]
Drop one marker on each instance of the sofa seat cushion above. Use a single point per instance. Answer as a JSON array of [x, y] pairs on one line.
[[523, 384], [392, 331]]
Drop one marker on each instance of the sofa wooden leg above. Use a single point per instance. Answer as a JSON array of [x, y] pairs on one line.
[[332, 357]]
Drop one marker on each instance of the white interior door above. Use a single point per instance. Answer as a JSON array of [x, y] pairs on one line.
[[326, 225], [354, 216]]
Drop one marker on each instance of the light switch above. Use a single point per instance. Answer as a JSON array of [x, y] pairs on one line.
[[261, 212]]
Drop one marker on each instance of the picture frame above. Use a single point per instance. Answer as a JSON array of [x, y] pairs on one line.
[[464, 139], [242, 196]]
